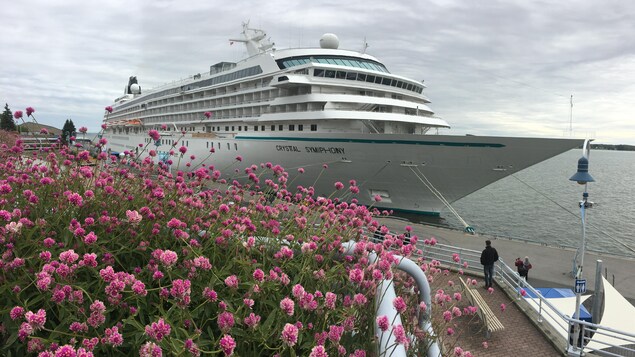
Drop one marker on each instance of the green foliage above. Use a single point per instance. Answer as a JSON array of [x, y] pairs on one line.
[[68, 130], [6, 119]]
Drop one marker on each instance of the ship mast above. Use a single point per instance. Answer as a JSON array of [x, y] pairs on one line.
[[255, 40]]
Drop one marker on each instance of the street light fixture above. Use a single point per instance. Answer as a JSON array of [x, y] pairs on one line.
[[582, 177]]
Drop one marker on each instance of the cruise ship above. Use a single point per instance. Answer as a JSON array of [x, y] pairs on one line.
[[324, 114]]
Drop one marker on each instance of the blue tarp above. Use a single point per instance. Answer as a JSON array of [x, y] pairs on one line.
[[555, 293]]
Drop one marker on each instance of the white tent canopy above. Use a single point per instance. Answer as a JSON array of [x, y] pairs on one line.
[[618, 314]]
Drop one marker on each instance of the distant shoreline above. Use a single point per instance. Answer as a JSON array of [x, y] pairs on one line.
[[620, 147]]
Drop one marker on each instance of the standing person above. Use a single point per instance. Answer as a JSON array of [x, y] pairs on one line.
[[520, 266], [488, 257], [526, 267]]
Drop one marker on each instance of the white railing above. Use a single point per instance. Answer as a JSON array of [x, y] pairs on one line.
[[384, 298], [509, 279]]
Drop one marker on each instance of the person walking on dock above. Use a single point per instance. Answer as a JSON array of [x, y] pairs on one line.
[[523, 267], [488, 257]]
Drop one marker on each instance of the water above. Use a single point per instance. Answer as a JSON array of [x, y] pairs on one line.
[[510, 208]]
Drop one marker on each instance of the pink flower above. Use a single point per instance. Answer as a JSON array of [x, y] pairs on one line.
[[503, 307], [252, 320], [339, 185], [158, 330], [485, 344], [259, 275], [523, 292], [382, 322], [108, 109], [289, 334], [17, 114], [227, 344], [210, 294], [356, 276], [400, 335], [318, 351], [65, 351], [168, 258], [36, 320], [458, 351], [150, 349], [16, 313], [113, 337], [298, 291], [29, 111], [399, 304], [447, 316], [422, 306], [377, 198], [329, 300], [232, 281], [182, 149], [239, 158], [208, 114], [154, 134], [287, 305], [490, 290], [90, 238], [69, 256], [450, 331], [456, 311], [225, 321], [133, 217], [83, 129]]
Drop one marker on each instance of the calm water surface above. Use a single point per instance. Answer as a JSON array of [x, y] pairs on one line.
[[532, 211]]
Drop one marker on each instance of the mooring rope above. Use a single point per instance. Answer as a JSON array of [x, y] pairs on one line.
[[439, 196], [576, 215]]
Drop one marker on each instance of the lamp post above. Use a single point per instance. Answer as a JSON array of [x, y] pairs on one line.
[[582, 177]]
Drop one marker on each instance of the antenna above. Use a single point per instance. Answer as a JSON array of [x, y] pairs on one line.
[[364, 46]]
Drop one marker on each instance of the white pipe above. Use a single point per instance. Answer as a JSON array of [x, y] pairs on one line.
[[385, 296]]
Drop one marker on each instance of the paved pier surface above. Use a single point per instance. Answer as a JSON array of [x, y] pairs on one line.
[[551, 265]]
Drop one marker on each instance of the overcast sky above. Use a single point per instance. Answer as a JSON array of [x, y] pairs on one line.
[[491, 67]]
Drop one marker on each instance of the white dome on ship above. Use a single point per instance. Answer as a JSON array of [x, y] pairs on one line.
[[135, 89], [329, 41]]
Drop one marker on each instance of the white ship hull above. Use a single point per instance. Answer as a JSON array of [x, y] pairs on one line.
[[410, 173]]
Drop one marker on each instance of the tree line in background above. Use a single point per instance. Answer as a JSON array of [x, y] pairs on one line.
[[7, 123]]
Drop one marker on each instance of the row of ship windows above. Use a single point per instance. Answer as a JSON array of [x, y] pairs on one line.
[[170, 142], [247, 72], [363, 77], [336, 60], [291, 127]]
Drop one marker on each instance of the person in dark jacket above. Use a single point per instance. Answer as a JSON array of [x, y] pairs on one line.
[[488, 257]]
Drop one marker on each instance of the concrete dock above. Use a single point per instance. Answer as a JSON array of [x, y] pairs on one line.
[[552, 266]]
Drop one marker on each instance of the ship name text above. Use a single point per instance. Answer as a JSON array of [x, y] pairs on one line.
[[312, 149]]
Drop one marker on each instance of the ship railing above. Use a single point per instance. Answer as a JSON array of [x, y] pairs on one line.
[[537, 308], [38, 142]]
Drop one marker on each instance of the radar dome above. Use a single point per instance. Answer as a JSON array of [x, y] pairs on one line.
[[135, 89], [330, 41]]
